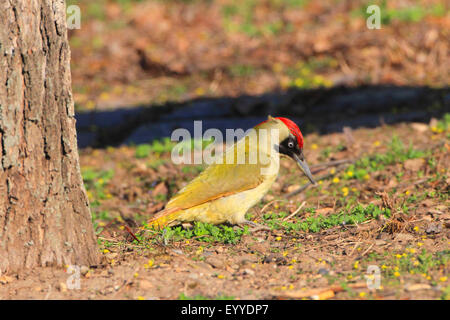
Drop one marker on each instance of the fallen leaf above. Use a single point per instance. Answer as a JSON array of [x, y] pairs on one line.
[[145, 284], [324, 295], [160, 189], [420, 127], [320, 293], [404, 237], [324, 211], [418, 286], [292, 188], [6, 279], [413, 164]]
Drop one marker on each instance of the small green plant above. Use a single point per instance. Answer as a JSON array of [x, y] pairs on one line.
[[357, 214], [98, 220], [239, 16], [442, 125], [202, 297], [325, 152], [196, 297], [241, 70], [304, 74], [410, 13], [143, 151], [157, 146], [397, 153], [445, 293], [204, 232], [95, 181], [192, 169], [156, 163], [414, 262]]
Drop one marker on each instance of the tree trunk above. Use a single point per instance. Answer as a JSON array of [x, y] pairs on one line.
[[44, 211]]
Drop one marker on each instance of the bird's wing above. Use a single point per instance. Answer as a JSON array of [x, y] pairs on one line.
[[218, 180]]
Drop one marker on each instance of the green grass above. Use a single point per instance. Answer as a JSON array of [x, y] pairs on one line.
[[445, 293], [357, 214], [414, 261], [177, 91], [412, 13], [238, 16], [304, 74], [166, 145], [95, 181], [201, 297], [156, 163], [203, 232], [157, 146], [397, 153], [102, 216], [192, 169], [241, 70], [443, 125]]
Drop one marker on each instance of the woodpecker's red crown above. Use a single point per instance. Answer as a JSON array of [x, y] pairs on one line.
[[294, 129]]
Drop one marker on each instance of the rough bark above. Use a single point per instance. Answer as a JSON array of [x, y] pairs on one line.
[[44, 211]]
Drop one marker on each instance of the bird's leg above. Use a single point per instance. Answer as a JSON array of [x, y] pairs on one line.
[[256, 226]]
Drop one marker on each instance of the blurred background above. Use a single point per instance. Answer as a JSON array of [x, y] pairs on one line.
[[144, 67], [373, 105]]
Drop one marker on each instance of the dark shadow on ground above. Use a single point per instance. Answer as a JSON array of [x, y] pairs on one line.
[[320, 110]]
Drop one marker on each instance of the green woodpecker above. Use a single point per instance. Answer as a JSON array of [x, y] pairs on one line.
[[225, 191]]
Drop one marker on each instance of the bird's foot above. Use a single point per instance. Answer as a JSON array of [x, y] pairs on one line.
[[256, 226]]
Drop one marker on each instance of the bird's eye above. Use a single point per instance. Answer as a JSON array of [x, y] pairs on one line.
[[290, 144]]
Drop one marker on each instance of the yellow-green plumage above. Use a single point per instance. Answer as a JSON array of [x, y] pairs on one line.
[[225, 192]]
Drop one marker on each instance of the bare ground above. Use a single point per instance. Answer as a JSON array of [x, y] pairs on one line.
[[410, 246]]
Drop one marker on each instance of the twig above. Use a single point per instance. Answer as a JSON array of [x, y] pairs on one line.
[[319, 293], [108, 239], [295, 212], [367, 250], [131, 232], [48, 293], [354, 248], [267, 205]]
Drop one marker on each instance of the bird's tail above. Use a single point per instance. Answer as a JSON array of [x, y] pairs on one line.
[[164, 218]]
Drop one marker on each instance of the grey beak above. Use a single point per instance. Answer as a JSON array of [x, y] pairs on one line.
[[304, 166]]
